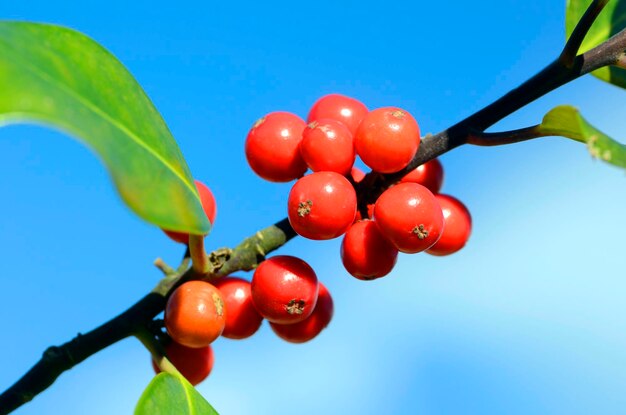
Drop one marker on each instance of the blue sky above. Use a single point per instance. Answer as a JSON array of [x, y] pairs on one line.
[[528, 318]]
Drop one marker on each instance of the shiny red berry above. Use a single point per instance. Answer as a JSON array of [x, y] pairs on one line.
[[387, 139], [195, 364], [409, 215], [314, 324], [366, 253], [429, 174], [272, 147], [284, 289], [195, 314], [457, 229], [321, 205], [242, 319], [208, 205], [327, 145], [346, 110]]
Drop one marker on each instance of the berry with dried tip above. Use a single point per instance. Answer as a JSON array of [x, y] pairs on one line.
[[195, 314], [409, 215], [327, 145], [208, 205], [321, 205], [284, 289], [195, 364], [346, 110], [242, 319], [387, 139], [429, 174], [272, 147], [308, 329], [366, 253], [457, 229]]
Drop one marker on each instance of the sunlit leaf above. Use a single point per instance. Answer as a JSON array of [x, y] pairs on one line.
[[566, 121], [58, 77], [611, 20], [168, 394]]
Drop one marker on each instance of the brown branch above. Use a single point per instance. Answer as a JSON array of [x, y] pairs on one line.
[[58, 359], [251, 251], [550, 78]]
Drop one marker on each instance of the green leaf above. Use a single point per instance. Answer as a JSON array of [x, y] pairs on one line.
[[169, 394], [611, 20], [61, 78], [566, 121]]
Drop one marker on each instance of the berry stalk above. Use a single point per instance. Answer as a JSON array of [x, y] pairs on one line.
[[252, 251]]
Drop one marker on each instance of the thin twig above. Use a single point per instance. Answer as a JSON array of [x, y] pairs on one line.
[[155, 348], [479, 138], [580, 31], [165, 269], [252, 250]]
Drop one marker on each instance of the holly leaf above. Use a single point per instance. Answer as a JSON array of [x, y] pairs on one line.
[[170, 394], [566, 121], [61, 78], [609, 22]]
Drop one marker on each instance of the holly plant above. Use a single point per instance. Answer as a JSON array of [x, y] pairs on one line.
[[60, 78]]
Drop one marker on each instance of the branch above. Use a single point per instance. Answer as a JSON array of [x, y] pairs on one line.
[[58, 359], [621, 62], [252, 250], [550, 78], [505, 137], [580, 31]]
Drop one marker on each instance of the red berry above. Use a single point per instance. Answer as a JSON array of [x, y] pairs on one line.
[[195, 314], [308, 329], [272, 147], [365, 252], [284, 289], [242, 319], [346, 110], [387, 139], [457, 229], [321, 205], [208, 205], [429, 174], [409, 215], [195, 364], [327, 145]]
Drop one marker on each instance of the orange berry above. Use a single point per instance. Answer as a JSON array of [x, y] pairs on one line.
[[195, 314]]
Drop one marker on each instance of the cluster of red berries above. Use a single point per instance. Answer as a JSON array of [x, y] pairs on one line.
[[284, 290], [410, 216]]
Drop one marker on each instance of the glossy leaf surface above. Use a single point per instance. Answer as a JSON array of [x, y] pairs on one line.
[[566, 121], [168, 394], [58, 77]]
